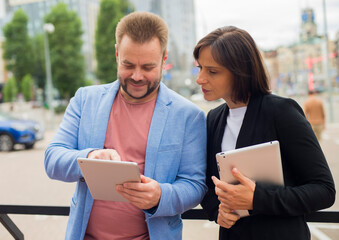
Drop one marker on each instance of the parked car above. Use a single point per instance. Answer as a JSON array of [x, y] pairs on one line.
[[18, 131]]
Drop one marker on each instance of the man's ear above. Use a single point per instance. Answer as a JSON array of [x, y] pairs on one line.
[[116, 52], [165, 58]]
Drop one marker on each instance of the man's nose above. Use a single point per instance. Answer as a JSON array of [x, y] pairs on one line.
[[137, 75]]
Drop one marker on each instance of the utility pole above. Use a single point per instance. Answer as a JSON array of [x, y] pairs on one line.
[[49, 28], [326, 57]]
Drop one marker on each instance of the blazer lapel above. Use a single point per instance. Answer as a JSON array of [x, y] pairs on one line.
[[156, 129], [246, 135], [220, 128], [102, 113]]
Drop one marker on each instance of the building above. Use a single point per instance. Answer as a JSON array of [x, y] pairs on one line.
[[271, 63], [302, 66], [180, 18], [308, 26]]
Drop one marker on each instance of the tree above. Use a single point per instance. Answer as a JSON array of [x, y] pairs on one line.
[[10, 90], [65, 44], [111, 11], [27, 87], [17, 48], [38, 59]]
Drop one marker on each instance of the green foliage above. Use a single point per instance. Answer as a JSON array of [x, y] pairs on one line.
[[65, 44], [60, 109], [111, 11], [17, 48], [27, 87], [38, 59], [10, 90]]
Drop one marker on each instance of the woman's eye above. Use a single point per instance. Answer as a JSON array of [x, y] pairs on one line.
[[212, 72]]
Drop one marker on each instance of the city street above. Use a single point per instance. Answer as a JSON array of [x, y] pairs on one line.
[[23, 182]]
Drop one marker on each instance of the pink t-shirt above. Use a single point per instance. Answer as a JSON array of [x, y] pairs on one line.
[[127, 133]]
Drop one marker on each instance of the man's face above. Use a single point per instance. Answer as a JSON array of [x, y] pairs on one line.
[[139, 69]]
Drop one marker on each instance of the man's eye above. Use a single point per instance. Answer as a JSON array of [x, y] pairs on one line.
[[148, 69], [212, 72]]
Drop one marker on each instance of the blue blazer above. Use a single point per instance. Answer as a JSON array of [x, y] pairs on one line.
[[175, 155]]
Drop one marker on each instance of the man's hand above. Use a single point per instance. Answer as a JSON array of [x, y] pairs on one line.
[[235, 197], [107, 154], [144, 195]]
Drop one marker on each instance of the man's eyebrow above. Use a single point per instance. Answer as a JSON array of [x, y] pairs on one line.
[[127, 62], [149, 64], [144, 65]]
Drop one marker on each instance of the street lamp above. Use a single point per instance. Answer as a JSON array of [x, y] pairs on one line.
[[49, 28]]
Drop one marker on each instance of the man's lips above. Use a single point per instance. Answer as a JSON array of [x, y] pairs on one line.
[[136, 84]]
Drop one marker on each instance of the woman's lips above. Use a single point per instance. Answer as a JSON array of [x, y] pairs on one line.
[[204, 90]]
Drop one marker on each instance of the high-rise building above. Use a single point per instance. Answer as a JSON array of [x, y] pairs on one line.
[[180, 18]]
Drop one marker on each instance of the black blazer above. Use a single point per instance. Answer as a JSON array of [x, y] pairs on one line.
[[278, 212]]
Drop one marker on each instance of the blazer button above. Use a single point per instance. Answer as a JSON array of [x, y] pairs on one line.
[[82, 179]]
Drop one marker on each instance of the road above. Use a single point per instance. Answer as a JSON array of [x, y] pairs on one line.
[[23, 182]]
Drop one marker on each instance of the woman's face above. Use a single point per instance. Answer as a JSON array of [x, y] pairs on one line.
[[215, 80]]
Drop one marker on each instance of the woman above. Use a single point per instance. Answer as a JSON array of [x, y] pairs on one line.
[[231, 68]]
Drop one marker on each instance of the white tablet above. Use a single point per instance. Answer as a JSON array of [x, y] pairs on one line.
[[261, 162], [102, 176]]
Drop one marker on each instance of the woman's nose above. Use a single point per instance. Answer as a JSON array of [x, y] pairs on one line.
[[201, 79]]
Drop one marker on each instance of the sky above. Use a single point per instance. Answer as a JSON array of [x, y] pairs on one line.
[[271, 23]]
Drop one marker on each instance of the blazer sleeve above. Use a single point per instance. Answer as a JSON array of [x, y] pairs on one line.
[[210, 202], [309, 184], [62, 153]]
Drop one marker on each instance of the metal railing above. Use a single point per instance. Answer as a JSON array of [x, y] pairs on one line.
[[193, 214]]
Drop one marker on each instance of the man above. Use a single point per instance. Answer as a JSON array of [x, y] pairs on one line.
[[143, 121], [315, 114]]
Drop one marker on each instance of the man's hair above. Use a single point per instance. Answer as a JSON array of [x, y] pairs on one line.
[[235, 49], [142, 27]]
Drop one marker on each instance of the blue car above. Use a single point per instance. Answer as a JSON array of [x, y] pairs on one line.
[[16, 131]]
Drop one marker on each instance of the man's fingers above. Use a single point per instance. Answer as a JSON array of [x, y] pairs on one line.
[[107, 154], [145, 179]]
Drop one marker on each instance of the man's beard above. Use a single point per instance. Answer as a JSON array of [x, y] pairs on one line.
[[150, 88]]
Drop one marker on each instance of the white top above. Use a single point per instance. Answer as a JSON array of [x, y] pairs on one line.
[[234, 122]]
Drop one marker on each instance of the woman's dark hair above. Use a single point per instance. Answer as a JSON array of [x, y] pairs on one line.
[[236, 50]]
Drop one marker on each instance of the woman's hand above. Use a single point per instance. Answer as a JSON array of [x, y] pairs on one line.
[[226, 217], [235, 197]]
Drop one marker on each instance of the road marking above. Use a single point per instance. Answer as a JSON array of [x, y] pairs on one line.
[[318, 234]]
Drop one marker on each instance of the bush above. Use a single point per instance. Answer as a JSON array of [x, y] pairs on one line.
[[10, 90], [60, 109], [27, 87]]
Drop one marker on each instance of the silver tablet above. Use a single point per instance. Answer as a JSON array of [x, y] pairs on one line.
[[102, 176], [261, 162]]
